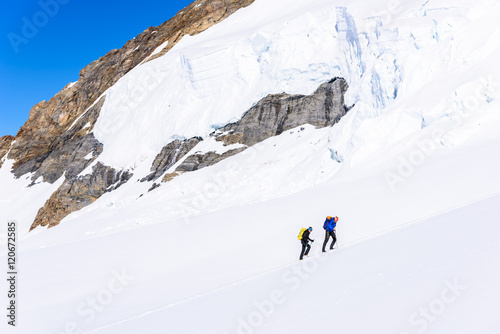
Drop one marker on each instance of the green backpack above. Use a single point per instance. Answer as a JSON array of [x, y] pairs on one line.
[[302, 230]]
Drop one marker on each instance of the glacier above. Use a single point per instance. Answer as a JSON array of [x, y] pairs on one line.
[[411, 171]]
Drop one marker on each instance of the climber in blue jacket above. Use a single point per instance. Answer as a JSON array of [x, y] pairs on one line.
[[329, 227]]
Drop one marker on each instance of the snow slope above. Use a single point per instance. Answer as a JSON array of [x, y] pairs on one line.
[[436, 276], [411, 171], [215, 266]]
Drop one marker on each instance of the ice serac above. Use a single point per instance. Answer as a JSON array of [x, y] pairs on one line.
[[5, 143], [348, 35], [48, 120], [78, 192]]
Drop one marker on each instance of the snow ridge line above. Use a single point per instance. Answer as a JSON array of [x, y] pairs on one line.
[[85, 112], [347, 245]]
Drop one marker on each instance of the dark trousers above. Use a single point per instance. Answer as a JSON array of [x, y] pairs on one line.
[[327, 236], [305, 248]]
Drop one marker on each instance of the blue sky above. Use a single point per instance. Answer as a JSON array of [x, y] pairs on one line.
[[44, 45]]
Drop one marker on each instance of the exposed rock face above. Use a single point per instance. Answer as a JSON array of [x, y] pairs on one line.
[[71, 152], [270, 117], [73, 157], [5, 143], [169, 155], [166, 178], [79, 192], [57, 138], [277, 113], [49, 120], [199, 161]]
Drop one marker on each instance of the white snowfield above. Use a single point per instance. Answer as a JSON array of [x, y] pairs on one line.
[[411, 171]]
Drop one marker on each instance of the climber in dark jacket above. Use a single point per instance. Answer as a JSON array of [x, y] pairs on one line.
[[305, 242]]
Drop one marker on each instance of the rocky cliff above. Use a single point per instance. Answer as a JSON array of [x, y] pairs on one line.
[[78, 192], [57, 138], [280, 112], [48, 121]]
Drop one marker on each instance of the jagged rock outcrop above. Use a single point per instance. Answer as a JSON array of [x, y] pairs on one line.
[[5, 143], [166, 178], [71, 152], [169, 155], [270, 117], [199, 161], [72, 158], [279, 112], [49, 120], [78, 192]]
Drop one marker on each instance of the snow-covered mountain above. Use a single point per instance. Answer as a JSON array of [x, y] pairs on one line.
[[176, 185]]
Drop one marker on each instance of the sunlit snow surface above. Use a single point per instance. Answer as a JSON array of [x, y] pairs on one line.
[[411, 170]]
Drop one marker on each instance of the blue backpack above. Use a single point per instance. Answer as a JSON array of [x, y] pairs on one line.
[[329, 224]]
